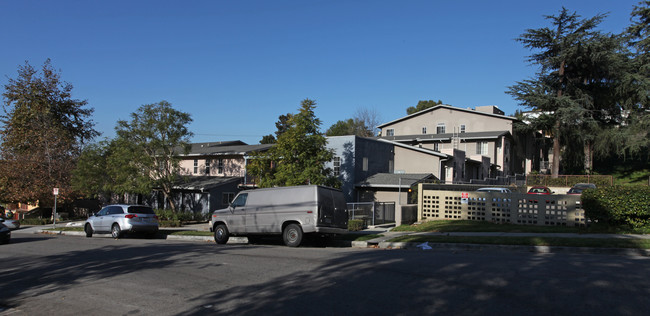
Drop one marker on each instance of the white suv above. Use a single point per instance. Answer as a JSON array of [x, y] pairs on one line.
[[120, 218]]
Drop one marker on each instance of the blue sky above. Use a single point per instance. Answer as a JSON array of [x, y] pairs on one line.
[[235, 66]]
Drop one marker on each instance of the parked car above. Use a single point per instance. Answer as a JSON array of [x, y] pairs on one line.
[[5, 234], [542, 190], [119, 219], [10, 223], [287, 211], [579, 187], [499, 190]]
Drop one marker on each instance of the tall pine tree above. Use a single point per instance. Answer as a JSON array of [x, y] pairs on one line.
[[299, 156]]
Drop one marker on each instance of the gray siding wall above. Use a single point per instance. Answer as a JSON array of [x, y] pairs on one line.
[[352, 150]]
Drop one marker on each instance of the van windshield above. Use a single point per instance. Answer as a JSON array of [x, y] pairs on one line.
[[240, 200]]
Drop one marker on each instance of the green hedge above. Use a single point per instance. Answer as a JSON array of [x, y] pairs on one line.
[[355, 225], [618, 205], [35, 221], [168, 215]]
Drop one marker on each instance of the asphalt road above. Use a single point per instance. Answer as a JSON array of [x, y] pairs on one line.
[[64, 275]]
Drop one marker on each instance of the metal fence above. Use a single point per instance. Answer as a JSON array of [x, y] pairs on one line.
[[372, 213], [568, 180], [514, 208]]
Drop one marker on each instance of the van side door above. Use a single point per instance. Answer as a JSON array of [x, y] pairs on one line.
[[237, 218]]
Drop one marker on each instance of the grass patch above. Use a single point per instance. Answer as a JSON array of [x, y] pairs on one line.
[[67, 229], [357, 237], [481, 226], [531, 241], [448, 226], [186, 232]]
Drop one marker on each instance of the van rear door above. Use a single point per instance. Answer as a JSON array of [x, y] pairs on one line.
[[331, 209]]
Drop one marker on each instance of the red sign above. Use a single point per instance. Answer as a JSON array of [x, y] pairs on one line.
[[464, 195]]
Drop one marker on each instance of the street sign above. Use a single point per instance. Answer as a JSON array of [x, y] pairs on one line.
[[56, 191]]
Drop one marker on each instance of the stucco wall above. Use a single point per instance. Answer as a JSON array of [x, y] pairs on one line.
[[413, 161], [473, 121], [233, 166]]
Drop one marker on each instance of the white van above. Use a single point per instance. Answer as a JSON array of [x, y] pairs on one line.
[[290, 211]]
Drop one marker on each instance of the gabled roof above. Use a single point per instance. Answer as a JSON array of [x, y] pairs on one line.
[[443, 106], [410, 147], [423, 138], [393, 180], [228, 148], [201, 183]]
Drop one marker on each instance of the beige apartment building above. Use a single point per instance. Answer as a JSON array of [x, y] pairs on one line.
[[470, 143]]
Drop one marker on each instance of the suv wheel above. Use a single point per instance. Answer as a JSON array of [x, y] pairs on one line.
[[116, 231], [89, 230]]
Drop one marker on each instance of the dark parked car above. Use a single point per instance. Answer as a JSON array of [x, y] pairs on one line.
[[5, 234], [579, 187], [540, 190], [120, 218]]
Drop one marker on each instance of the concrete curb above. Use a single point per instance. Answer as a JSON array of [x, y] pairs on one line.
[[506, 248], [381, 243], [232, 240]]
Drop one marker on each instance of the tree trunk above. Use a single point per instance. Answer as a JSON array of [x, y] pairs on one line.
[[169, 197], [555, 166], [589, 156]]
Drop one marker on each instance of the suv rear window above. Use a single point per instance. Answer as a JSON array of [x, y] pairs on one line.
[[141, 210]]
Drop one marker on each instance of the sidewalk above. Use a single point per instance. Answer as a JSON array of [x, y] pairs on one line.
[[384, 243]]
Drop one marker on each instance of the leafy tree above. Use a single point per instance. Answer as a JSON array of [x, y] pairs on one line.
[[43, 131], [146, 150], [363, 124], [576, 82], [268, 139], [90, 175], [342, 128], [299, 156], [422, 105], [634, 137], [282, 124]]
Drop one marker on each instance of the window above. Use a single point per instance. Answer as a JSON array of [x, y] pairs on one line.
[[220, 166], [390, 132], [196, 166], [440, 129], [462, 128], [226, 197], [241, 200], [482, 148], [424, 130], [365, 163], [337, 166], [207, 166]]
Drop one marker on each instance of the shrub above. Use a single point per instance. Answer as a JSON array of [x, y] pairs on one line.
[[170, 223], [183, 217], [35, 221], [618, 205], [355, 225]]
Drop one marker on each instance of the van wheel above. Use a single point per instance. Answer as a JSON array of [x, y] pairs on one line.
[[89, 230], [292, 235], [221, 234]]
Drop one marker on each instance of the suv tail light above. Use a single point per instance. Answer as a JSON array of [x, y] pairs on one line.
[[130, 215]]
